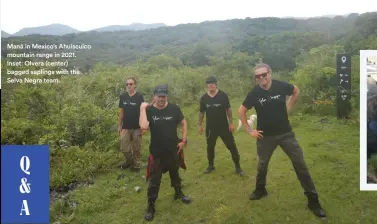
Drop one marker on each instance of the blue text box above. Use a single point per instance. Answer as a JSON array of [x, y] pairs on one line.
[[25, 168]]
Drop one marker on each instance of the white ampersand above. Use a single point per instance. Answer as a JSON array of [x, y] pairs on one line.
[[25, 187]]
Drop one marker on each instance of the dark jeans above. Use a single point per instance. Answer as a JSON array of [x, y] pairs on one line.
[[289, 144], [371, 140], [163, 164], [227, 138]]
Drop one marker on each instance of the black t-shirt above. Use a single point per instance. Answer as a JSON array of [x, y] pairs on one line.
[[215, 109], [131, 109], [163, 127], [271, 108]]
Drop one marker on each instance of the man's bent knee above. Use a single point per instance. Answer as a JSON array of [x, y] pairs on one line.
[[125, 141], [137, 143], [262, 165], [300, 165]]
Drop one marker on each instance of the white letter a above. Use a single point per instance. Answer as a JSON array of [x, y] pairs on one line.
[[25, 208]]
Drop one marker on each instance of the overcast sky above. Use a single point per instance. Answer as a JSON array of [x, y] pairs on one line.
[[87, 15]]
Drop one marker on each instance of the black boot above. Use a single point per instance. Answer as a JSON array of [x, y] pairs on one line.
[[150, 210], [314, 206], [238, 169], [179, 194], [210, 168], [125, 166], [259, 192], [135, 170]]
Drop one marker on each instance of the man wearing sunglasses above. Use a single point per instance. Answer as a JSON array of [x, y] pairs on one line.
[[219, 123], [129, 129], [166, 148], [274, 129]]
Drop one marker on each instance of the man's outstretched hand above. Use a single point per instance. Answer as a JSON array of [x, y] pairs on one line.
[[256, 134], [180, 147], [143, 131], [231, 127], [200, 130]]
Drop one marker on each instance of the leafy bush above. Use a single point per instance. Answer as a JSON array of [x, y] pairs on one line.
[[74, 164]]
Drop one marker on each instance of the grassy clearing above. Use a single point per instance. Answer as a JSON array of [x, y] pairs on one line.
[[331, 152]]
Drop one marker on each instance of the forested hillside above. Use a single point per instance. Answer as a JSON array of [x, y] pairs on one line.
[[60, 29], [195, 44], [82, 110]]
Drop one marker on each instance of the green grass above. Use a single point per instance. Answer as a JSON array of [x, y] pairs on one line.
[[331, 151]]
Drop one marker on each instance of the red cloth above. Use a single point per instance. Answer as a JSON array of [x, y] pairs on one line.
[[149, 166], [182, 160], [151, 162]]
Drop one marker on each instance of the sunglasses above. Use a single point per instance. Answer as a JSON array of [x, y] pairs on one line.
[[129, 84], [264, 75]]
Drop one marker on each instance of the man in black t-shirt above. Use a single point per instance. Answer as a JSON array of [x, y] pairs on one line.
[[166, 148], [219, 122], [129, 129], [274, 129]]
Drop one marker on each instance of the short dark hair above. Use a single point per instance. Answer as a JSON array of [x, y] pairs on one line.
[[132, 78]]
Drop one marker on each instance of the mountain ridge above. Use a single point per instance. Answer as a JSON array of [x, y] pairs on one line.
[[5, 34], [57, 29], [204, 43], [62, 29]]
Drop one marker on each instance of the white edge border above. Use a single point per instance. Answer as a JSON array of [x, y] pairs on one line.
[[0, 62], [363, 119]]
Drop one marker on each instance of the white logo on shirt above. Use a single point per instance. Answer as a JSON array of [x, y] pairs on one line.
[[275, 97], [125, 103], [155, 118], [262, 100], [213, 105]]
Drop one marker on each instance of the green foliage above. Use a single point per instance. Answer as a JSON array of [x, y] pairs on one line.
[[74, 164], [364, 34], [284, 47], [315, 75], [164, 61], [78, 117], [20, 131]]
